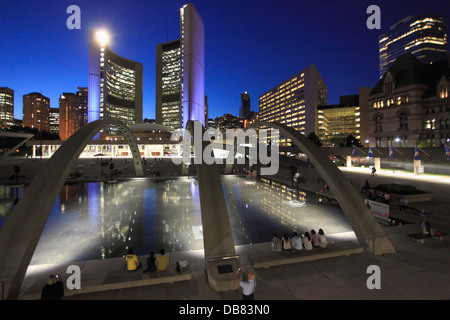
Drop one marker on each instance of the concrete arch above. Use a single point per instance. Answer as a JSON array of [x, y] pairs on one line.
[[366, 228], [21, 232]]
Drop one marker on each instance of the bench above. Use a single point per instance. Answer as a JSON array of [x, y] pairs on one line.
[[420, 237]]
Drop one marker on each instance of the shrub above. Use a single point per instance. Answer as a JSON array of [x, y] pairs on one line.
[[397, 188]]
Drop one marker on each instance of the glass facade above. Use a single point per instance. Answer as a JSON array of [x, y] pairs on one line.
[[171, 82], [115, 86], [336, 122], [6, 108], [424, 36]]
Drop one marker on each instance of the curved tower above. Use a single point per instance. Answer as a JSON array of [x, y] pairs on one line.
[[115, 84]]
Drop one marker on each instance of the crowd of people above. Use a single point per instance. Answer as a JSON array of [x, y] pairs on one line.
[[305, 241]]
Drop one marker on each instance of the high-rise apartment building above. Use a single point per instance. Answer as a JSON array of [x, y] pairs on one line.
[[82, 102], [244, 109], [115, 84], [180, 73], [6, 108], [54, 120], [294, 102], [36, 110], [425, 36], [68, 115]]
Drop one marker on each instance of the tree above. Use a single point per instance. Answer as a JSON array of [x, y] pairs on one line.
[[314, 138], [351, 141]]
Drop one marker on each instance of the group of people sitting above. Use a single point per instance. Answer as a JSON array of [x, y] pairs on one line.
[[159, 263], [306, 241]]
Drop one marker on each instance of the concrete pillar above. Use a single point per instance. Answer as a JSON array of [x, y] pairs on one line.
[[377, 163], [349, 161], [417, 167]]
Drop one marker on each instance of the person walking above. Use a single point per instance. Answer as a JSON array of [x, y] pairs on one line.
[[249, 286]]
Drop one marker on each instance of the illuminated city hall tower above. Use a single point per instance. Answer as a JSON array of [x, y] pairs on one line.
[[180, 73], [115, 84]]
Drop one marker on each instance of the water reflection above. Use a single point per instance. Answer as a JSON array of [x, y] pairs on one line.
[[99, 220]]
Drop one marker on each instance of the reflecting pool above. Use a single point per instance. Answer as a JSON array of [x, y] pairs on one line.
[[96, 220]]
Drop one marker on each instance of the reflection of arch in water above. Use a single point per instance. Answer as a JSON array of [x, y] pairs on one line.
[[366, 228], [21, 232]]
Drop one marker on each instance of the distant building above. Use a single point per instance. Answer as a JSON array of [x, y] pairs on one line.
[[82, 102], [349, 117], [6, 108], [424, 36], [68, 115], [54, 120], [36, 110], [227, 121], [294, 102], [244, 109], [115, 84], [410, 105], [180, 74]]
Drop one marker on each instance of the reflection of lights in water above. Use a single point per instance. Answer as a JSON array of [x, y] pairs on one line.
[[130, 213]]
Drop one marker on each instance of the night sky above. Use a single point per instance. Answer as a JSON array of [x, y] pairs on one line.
[[253, 44]]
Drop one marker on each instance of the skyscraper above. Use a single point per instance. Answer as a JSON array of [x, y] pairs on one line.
[[36, 110], [180, 73], [115, 84], [68, 115], [82, 103], [168, 84], [294, 101], [244, 109], [6, 107], [425, 36]]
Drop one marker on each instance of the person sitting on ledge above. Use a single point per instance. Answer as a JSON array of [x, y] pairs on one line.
[[162, 261], [132, 261], [307, 241], [276, 244], [297, 243], [322, 239]]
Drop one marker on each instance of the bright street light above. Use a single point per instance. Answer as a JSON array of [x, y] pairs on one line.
[[102, 37]]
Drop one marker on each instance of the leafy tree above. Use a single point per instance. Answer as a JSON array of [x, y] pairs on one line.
[[314, 138], [351, 141]]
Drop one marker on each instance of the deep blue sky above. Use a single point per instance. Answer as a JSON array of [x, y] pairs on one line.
[[258, 43]]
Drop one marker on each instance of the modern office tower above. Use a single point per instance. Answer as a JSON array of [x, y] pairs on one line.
[[425, 36], [244, 109], [349, 117], [115, 84], [82, 102], [36, 109], [410, 105], [6, 107], [168, 84], [180, 73], [54, 120], [294, 101], [68, 115]]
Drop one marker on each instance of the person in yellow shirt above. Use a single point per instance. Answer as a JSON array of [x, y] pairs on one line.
[[132, 261], [162, 261]]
